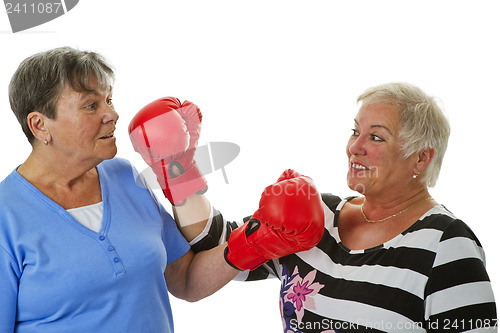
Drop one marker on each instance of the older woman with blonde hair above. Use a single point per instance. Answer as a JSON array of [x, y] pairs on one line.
[[391, 259]]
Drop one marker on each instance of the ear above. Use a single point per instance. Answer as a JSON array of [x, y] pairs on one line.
[[424, 158], [37, 123]]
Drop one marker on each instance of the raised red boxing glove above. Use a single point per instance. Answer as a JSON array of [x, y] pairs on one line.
[[290, 219], [165, 132], [192, 117]]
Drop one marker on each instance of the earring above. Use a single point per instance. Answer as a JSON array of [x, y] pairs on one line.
[[45, 142], [416, 175]]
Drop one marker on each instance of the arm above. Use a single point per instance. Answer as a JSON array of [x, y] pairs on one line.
[[8, 290], [215, 231], [196, 276], [289, 218], [192, 217]]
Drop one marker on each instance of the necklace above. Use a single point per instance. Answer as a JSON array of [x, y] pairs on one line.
[[393, 215]]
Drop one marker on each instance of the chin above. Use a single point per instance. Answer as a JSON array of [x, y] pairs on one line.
[[356, 186], [109, 155], [112, 155]]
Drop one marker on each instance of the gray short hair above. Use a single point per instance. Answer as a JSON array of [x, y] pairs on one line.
[[41, 78], [422, 122]]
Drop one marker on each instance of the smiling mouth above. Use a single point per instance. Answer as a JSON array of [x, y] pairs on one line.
[[109, 136], [357, 166]]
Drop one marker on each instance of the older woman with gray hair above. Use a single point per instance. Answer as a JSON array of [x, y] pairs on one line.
[[82, 247], [391, 259]]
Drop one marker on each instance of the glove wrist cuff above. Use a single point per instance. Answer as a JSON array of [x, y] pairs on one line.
[[178, 189], [242, 254]]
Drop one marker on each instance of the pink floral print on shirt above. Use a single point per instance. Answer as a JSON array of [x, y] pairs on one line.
[[297, 294]]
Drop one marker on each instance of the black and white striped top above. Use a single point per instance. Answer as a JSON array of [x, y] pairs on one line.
[[430, 278]]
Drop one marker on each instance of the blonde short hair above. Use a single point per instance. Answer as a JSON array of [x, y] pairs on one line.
[[422, 122]]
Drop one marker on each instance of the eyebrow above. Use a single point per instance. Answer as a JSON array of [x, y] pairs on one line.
[[108, 90], [93, 93], [377, 126]]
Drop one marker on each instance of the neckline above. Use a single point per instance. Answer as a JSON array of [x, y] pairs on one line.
[[92, 206], [64, 213], [386, 244]]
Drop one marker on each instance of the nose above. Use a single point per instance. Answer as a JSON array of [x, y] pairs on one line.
[[110, 115], [355, 146]]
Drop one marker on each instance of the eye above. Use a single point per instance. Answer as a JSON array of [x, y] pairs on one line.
[[355, 132], [109, 101], [91, 107], [377, 138]]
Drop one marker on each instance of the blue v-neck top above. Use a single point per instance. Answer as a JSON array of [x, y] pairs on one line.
[[56, 275]]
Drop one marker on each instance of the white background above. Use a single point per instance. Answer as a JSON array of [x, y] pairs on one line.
[[280, 79]]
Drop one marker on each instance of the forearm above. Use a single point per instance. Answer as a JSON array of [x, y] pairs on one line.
[[205, 273], [192, 216]]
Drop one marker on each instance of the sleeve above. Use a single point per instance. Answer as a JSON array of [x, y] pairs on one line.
[[173, 240], [458, 295], [216, 232], [8, 289], [175, 244]]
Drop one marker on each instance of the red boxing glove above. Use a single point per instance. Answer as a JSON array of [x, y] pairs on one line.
[[165, 133], [290, 219]]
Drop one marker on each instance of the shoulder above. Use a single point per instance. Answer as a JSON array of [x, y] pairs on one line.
[[331, 201], [117, 169], [440, 218], [10, 188], [6, 183], [120, 177], [447, 235], [116, 164], [458, 270]]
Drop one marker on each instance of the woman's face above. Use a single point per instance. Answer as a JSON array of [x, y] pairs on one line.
[[83, 129], [376, 163]]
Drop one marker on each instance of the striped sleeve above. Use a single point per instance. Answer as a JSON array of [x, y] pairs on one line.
[[216, 232], [458, 295]]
